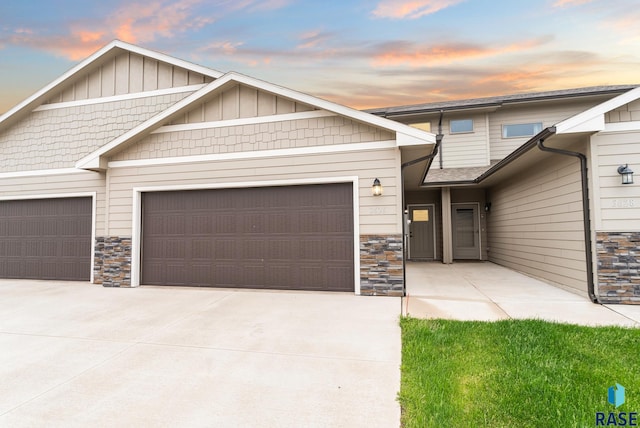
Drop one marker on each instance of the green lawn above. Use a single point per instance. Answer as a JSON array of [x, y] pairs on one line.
[[514, 373]]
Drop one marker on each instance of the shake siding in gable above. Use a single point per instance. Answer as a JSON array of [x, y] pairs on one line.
[[377, 214], [58, 137], [535, 224], [254, 137]]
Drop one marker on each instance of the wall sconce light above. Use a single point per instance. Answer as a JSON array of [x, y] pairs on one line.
[[487, 207], [376, 189], [626, 173]]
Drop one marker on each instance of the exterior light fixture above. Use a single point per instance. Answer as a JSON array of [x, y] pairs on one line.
[[376, 189], [626, 173], [487, 207]]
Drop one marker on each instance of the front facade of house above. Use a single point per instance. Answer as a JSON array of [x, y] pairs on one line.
[[136, 168]]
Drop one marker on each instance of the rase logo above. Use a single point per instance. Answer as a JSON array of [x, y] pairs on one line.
[[616, 397]]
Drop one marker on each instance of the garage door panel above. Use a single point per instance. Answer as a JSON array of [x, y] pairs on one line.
[[275, 237], [46, 238]]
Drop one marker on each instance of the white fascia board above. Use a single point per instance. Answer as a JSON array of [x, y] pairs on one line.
[[404, 140], [33, 99], [633, 126], [592, 120], [426, 137]]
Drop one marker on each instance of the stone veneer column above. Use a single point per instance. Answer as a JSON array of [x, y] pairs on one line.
[[618, 267], [112, 261], [381, 265]]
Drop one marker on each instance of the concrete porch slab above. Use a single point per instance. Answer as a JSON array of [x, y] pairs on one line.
[[484, 291]]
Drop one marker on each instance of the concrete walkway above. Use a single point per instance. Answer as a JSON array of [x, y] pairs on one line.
[[80, 355], [484, 291]]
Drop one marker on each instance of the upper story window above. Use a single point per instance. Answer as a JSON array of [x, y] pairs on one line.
[[521, 130], [425, 126], [460, 126]]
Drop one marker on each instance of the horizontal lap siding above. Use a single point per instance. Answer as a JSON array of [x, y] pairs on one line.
[[618, 204], [535, 223], [465, 149], [41, 186], [378, 215]]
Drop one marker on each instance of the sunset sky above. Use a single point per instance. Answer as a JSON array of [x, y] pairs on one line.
[[355, 52]]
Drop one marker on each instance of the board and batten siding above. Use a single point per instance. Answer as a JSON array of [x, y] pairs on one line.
[[616, 206], [535, 224], [126, 73], [547, 114], [58, 184], [378, 215]]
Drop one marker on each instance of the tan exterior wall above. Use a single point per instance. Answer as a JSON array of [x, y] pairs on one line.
[[57, 138], [465, 149], [378, 215], [254, 137], [547, 114], [616, 206], [58, 184], [125, 74], [535, 223], [627, 113], [240, 102]]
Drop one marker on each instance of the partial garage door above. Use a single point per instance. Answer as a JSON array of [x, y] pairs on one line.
[[294, 237], [46, 239]]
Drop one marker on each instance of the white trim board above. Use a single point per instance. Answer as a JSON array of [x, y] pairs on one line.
[[298, 151], [123, 97], [42, 172], [136, 235], [245, 121], [633, 126]]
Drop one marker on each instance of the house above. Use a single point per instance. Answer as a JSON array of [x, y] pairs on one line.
[[532, 182], [137, 168]]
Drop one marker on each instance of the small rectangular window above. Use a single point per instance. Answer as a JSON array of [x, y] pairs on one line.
[[425, 126], [461, 125], [521, 130]]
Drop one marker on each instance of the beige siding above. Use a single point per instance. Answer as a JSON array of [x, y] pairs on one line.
[[547, 114], [59, 184], [377, 214], [125, 74], [535, 224], [238, 102], [57, 138], [246, 138], [464, 149], [617, 206], [627, 113]]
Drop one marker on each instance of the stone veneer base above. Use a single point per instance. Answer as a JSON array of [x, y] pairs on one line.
[[618, 267], [112, 261], [381, 271]]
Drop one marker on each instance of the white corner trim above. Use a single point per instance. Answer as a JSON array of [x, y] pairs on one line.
[[136, 227], [245, 121], [42, 172], [298, 151], [633, 126], [123, 97]]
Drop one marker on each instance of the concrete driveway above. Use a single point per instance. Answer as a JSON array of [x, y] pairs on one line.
[[75, 354], [484, 291]]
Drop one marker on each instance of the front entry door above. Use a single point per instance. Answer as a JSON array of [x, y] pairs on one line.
[[466, 231], [421, 232]]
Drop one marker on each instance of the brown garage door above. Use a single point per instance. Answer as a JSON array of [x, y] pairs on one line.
[[294, 237], [46, 239]]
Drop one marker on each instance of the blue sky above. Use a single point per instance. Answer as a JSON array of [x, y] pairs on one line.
[[359, 53]]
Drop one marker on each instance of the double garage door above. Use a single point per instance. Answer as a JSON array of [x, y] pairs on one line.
[[290, 237], [46, 239]]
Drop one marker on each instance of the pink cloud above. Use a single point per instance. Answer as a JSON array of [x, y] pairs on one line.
[[410, 9]]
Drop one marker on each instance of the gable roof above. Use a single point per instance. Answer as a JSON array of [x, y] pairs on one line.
[[107, 51], [405, 135], [501, 100]]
